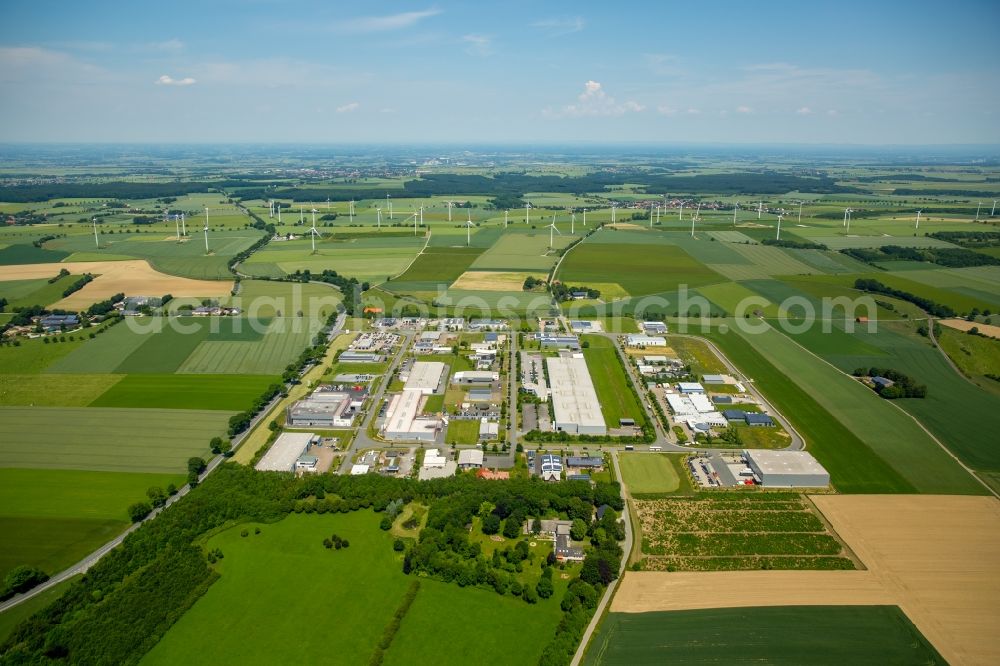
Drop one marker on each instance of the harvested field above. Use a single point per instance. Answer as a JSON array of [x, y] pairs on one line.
[[963, 325], [494, 280], [131, 277], [933, 556]]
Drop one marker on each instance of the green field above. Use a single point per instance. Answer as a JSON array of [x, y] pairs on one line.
[[648, 473], [846, 419], [230, 393], [51, 518], [792, 635], [54, 390], [651, 268], [611, 383], [435, 266], [975, 355], [106, 439], [464, 431], [322, 583], [25, 293], [369, 258]]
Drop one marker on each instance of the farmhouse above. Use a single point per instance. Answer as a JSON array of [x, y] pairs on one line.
[[469, 459], [285, 452], [642, 341], [574, 400], [565, 551], [786, 469], [56, 322]]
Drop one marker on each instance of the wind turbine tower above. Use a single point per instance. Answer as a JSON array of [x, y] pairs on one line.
[[553, 228], [760, 209], [800, 212], [614, 209], [206, 237], [736, 207], [312, 234], [778, 237], [527, 212], [206, 216], [979, 204], [506, 215], [680, 214], [450, 204], [96, 242], [917, 226], [468, 233], [183, 228], [584, 217], [378, 216]]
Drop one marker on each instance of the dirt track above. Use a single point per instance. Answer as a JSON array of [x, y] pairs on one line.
[[134, 277], [933, 556]]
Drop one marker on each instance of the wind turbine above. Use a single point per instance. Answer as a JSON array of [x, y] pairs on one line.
[[378, 214], [279, 212], [468, 231], [177, 227], [697, 212], [584, 217], [680, 215], [301, 215], [994, 208], [450, 204], [650, 216], [313, 233], [736, 207], [800, 212], [917, 226], [979, 204], [778, 237], [270, 207], [614, 208], [846, 211], [421, 216], [760, 209], [506, 214], [692, 225], [414, 221], [206, 236], [572, 223], [553, 228], [183, 228], [206, 216], [527, 212], [328, 203], [849, 211], [657, 212], [314, 211], [96, 242], [388, 204], [351, 211]]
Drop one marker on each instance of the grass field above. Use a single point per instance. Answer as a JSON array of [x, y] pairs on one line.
[[648, 473], [611, 382], [792, 635], [54, 390], [464, 431], [106, 439], [651, 268], [25, 293], [51, 518], [976, 356], [436, 266], [527, 251], [231, 393], [318, 582]]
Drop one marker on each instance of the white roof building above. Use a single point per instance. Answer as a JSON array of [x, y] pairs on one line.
[[433, 458], [701, 402], [640, 340], [787, 469], [574, 399], [470, 458], [690, 387], [285, 451], [680, 405], [358, 470], [425, 376]]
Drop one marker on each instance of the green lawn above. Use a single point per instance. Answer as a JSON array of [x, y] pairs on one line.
[[792, 635], [106, 439], [648, 473], [611, 382], [465, 431], [231, 393]]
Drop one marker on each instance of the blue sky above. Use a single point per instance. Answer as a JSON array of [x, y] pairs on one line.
[[328, 72]]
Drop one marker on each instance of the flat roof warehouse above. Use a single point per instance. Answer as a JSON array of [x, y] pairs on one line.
[[574, 400]]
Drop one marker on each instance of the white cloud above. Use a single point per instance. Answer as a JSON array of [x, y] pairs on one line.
[[348, 108], [804, 111], [479, 45], [167, 80], [594, 101], [743, 109], [665, 110], [365, 24], [831, 112], [694, 112], [557, 27]]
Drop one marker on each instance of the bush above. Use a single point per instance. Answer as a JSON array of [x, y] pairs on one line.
[[21, 579], [398, 545], [139, 510]]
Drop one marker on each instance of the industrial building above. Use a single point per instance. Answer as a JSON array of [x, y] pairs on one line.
[[327, 407], [359, 357], [470, 458], [488, 429], [286, 450], [690, 387], [574, 400], [549, 467], [786, 469], [402, 422], [653, 327], [475, 377], [436, 466], [551, 341], [424, 376], [641, 341]]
